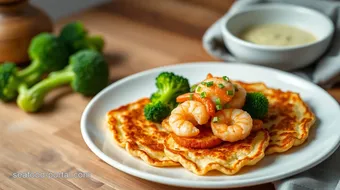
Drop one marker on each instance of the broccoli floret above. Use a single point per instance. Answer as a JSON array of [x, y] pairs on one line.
[[95, 42], [77, 38], [256, 105], [156, 111], [8, 82], [169, 86], [87, 73], [47, 52]]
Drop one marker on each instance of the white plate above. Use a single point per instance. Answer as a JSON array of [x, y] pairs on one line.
[[323, 140]]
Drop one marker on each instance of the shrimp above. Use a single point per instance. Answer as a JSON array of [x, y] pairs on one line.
[[232, 124], [186, 116], [219, 90], [209, 105], [239, 97]]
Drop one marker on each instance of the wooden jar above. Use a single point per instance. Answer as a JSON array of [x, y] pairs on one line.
[[19, 22]]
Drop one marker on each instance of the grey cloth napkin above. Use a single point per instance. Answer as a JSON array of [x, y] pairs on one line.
[[326, 72], [325, 176]]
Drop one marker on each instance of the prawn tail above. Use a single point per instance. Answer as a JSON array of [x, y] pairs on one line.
[[209, 105], [209, 75]]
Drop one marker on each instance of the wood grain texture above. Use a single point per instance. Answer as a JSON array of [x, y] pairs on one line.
[[138, 37]]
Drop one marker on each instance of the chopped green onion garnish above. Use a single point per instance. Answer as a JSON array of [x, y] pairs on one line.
[[198, 89], [219, 107], [235, 87], [226, 106], [215, 119], [191, 96], [220, 86], [193, 88], [210, 83], [230, 92], [225, 78], [203, 95], [203, 83], [218, 101]]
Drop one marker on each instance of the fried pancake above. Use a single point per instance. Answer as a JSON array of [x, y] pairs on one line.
[[141, 138], [289, 118], [205, 139], [228, 157]]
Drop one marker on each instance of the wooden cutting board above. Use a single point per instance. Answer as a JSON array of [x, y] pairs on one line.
[[139, 35]]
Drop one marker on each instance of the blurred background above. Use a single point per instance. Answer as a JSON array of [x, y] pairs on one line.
[[63, 8], [138, 35]]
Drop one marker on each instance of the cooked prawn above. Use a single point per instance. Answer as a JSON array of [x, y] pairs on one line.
[[186, 116], [232, 124], [217, 89], [239, 97], [209, 105]]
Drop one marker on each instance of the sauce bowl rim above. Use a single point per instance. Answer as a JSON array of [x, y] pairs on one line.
[[282, 6]]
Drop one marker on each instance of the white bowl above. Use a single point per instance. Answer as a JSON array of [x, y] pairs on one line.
[[287, 57]]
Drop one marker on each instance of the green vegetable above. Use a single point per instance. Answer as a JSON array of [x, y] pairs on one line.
[[230, 92], [217, 101], [87, 73], [156, 111], [193, 88], [76, 37], [256, 105], [225, 78], [47, 52], [9, 81], [169, 86], [218, 107], [220, 86], [203, 94], [215, 119], [210, 83], [191, 96]]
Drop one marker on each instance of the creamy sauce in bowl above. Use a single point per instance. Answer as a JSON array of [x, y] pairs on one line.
[[276, 35]]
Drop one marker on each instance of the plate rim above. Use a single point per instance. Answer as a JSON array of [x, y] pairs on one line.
[[201, 183]]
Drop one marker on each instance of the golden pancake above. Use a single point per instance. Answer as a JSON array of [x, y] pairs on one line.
[[289, 118], [141, 138], [227, 157], [205, 139]]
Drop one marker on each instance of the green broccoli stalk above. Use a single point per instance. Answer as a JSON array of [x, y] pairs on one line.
[[87, 74], [48, 54], [256, 105], [163, 101], [77, 38]]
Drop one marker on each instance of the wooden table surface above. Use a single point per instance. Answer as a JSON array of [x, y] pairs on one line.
[[139, 35]]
